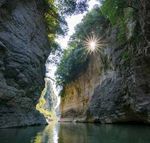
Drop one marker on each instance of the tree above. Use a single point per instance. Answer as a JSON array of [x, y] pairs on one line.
[[54, 15], [113, 9], [69, 7], [93, 23], [73, 62], [75, 58]]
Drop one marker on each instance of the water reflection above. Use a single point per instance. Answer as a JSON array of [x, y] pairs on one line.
[[19, 135], [77, 133], [89, 133], [48, 135]]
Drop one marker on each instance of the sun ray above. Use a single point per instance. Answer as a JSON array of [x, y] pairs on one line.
[[93, 44]]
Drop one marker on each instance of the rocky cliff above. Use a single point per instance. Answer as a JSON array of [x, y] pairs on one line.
[[50, 97], [48, 101], [115, 88], [23, 52], [76, 95]]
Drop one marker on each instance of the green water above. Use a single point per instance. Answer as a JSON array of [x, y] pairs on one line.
[[77, 133]]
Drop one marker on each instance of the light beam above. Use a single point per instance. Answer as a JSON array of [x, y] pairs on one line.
[[93, 44]]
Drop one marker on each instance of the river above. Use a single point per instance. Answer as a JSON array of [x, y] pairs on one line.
[[77, 133]]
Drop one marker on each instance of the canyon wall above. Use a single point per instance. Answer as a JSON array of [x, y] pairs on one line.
[[115, 88], [23, 52], [76, 95], [48, 101]]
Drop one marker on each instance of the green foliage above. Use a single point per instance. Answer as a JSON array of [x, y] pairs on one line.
[[54, 12], [93, 23], [73, 62], [54, 16], [120, 12], [55, 20], [75, 59], [69, 7], [114, 9], [55, 23]]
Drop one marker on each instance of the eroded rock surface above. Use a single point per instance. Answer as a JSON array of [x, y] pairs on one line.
[[23, 52], [121, 90], [77, 95]]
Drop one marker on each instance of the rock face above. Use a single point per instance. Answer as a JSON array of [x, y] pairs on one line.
[[120, 90], [50, 97], [48, 101], [75, 100], [23, 52], [124, 94]]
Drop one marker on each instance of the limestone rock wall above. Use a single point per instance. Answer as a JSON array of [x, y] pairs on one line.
[[123, 95], [120, 91], [50, 97], [23, 52], [76, 96]]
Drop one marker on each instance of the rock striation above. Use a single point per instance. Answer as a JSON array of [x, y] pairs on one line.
[[116, 88], [76, 95], [50, 97], [23, 53]]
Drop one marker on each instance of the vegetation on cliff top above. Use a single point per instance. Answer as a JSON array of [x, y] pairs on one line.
[[54, 15], [75, 58]]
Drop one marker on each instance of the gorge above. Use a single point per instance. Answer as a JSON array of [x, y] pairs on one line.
[[115, 86], [23, 53], [108, 85]]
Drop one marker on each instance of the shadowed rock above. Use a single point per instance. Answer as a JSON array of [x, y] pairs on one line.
[[23, 52]]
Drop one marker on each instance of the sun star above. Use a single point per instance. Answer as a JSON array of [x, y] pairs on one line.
[[93, 44]]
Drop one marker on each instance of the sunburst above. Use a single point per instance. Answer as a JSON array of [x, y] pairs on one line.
[[93, 44]]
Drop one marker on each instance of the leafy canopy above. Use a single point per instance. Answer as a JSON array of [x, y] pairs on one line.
[[73, 62], [113, 9], [119, 12], [75, 58], [54, 15], [69, 7], [93, 23]]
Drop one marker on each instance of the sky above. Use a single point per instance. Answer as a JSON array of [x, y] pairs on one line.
[[72, 21]]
